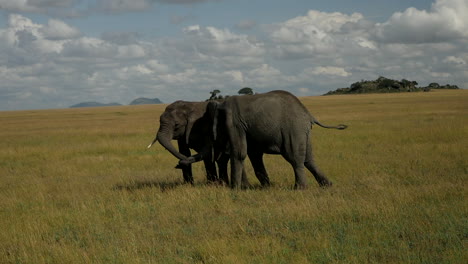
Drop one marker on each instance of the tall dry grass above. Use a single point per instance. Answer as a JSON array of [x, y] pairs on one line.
[[78, 186]]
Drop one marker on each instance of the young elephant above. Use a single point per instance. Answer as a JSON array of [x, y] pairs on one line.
[[272, 123], [190, 124]]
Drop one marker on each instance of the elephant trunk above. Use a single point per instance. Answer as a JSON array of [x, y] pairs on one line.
[[164, 137]]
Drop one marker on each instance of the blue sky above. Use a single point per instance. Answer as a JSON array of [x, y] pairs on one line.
[[56, 53]]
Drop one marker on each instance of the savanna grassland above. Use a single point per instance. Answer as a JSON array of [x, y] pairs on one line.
[[79, 186]]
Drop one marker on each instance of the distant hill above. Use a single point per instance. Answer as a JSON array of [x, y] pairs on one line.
[[93, 104], [143, 100], [138, 101], [385, 85]]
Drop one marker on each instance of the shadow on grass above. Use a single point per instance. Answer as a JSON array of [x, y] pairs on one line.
[[165, 186], [138, 185]]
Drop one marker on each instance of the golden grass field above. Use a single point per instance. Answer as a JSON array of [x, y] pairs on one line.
[[79, 186]]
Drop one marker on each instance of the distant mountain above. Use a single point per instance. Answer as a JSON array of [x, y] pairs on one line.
[[142, 100], [93, 104], [385, 85], [139, 101]]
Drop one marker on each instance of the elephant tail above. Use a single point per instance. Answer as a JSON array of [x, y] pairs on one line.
[[340, 126]]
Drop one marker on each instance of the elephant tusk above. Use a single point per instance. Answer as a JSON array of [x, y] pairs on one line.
[[149, 146]]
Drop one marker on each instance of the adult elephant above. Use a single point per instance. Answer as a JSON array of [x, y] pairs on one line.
[[273, 123], [190, 124]]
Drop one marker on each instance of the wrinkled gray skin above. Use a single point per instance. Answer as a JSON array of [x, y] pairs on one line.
[[272, 123], [190, 124]]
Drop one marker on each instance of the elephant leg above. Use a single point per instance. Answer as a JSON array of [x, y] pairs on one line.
[[210, 168], [237, 169], [186, 169], [245, 182], [299, 173], [222, 168], [187, 174], [310, 165], [295, 152], [238, 154], [256, 158]]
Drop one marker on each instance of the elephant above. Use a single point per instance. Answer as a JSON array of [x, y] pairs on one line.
[[271, 123], [190, 124]]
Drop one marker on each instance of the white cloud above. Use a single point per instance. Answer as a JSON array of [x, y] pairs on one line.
[[219, 48], [266, 77], [222, 42], [446, 21], [58, 30], [194, 29], [127, 73], [265, 70], [315, 34], [184, 1], [315, 25], [117, 6], [40, 6], [76, 8], [440, 75], [454, 60], [46, 61], [20, 23], [304, 90], [130, 51], [88, 47], [237, 76], [18, 6], [328, 70], [22, 33], [47, 90], [365, 43], [157, 66]]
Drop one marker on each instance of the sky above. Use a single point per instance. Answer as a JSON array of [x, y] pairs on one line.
[[56, 53]]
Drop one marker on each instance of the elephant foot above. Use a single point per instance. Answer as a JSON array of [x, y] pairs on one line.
[[325, 184], [217, 183], [300, 186], [212, 179], [266, 183], [246, 186], [189, 181]]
